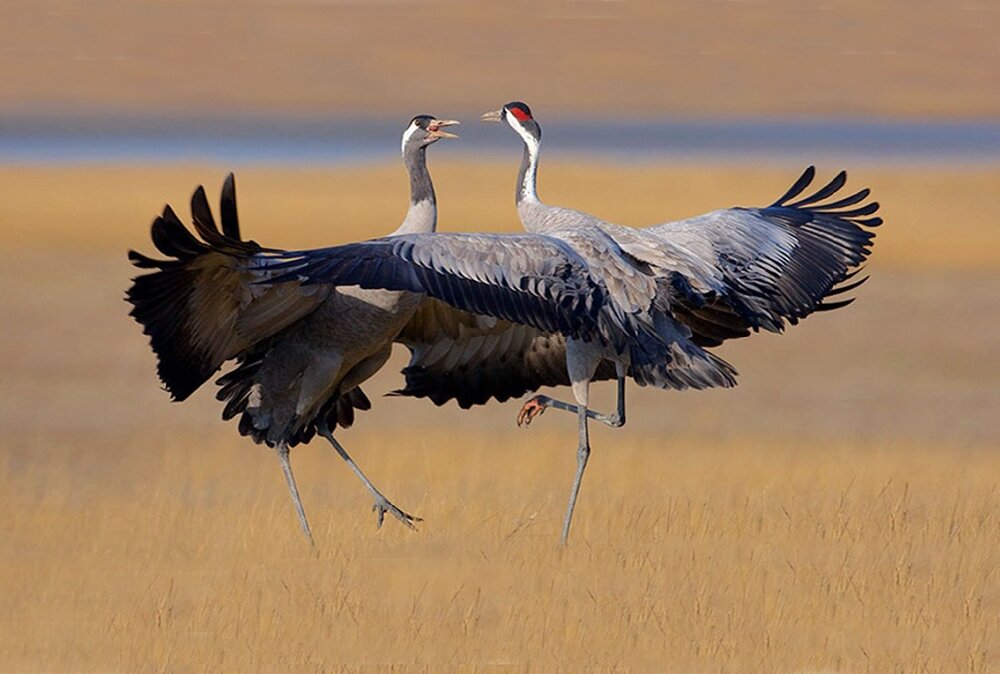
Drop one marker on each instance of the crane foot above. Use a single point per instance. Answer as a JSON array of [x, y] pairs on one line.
[[383, 506], [531, 409]]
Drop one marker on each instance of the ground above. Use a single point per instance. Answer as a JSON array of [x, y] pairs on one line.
[[837, 511]]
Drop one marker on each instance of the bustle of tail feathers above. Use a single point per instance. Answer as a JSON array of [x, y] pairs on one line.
[[679, 362], [702, 372], [237, 387]]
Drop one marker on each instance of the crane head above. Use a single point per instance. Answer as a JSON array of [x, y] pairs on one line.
[[518, 116], [424, 130]]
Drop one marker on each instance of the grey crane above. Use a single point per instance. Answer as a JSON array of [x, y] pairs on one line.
[[301, 352], [610, 301]]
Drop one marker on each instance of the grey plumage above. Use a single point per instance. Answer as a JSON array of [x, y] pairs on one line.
[[643, 302], [719, 276], [301, 352], [471, 358], [538, 280]]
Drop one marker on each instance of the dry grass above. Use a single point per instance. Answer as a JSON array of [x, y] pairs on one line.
[[838, 511], [942, 218], [685, 558]]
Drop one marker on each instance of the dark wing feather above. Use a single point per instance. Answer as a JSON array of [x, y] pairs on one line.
[[197, 306], [227, 209], [203, 306], [831, 188], [798, 186], [455, 355], [774, 265], [536, 280], [522, 278]]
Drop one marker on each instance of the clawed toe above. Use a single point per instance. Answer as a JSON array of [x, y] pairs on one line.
[[529, 411], [383, 506]]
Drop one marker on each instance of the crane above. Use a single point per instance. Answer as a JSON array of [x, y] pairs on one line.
[[301, 352], [610, 301]]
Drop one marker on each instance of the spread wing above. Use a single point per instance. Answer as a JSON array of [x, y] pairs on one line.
[[536, 280], [743, 269], [471, 358], [529, 279], [204, 304]]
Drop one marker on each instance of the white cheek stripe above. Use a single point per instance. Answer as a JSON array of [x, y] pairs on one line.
[[410, 130]]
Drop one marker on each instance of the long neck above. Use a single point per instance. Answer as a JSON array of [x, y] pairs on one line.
[[422, 214], [526, 177]]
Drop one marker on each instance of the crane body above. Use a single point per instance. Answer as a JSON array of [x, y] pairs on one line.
[[301, 353], [576, 299]]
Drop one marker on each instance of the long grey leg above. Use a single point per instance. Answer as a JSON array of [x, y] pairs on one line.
[[286, 466], [582, 455], [537, 405], [382, 504]]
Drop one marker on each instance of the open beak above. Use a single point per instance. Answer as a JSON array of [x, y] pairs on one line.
[[434, 128], [492, 116]]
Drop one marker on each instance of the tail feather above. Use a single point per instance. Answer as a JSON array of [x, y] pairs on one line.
[[674, 360], [686, 370], [266, 421]]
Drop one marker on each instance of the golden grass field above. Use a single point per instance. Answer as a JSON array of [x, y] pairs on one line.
[[839, 511]]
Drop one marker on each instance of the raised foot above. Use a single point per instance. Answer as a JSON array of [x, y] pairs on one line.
[[383, 506], [615, 421], [531, 409]]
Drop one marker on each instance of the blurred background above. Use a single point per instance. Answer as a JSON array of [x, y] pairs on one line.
[[837, 511], [325, 82]]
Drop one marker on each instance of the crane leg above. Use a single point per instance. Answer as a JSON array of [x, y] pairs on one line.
[[286, 466], [538, 404], [382, 504], [582, 455]]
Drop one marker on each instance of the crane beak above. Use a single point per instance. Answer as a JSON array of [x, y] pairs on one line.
[[434, 128], [492, 116]]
